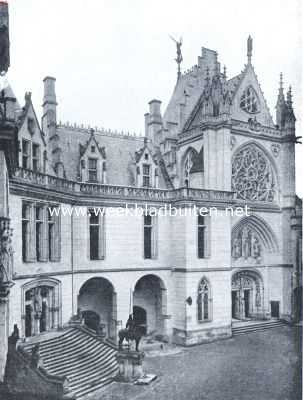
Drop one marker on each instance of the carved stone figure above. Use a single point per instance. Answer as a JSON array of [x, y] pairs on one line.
[[246, 244], [6, 252], [236, 248], [256, 248]]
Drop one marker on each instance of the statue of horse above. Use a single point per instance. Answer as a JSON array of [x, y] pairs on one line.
[[132, 332]]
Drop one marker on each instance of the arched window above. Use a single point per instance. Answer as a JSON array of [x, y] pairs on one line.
[[204, 301], [249, 100], [187, 165]]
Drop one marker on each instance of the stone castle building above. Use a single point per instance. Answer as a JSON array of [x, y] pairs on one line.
[[184, 276]]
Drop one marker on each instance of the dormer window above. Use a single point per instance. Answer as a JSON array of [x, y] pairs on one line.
[[146, 175], [146, 156], [92, 170], [93, 149], [249, 100]]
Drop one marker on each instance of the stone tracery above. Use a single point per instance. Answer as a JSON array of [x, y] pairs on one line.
[[252, 175]]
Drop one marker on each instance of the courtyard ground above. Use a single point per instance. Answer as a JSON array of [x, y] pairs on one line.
[[257, 366]]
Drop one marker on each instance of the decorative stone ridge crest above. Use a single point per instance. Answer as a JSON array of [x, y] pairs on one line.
[[252, 175], [6, 257]]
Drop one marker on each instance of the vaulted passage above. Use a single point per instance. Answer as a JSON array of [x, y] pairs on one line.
[[97, 306], [149, 304]]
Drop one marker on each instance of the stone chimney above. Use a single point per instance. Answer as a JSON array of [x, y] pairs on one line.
[[154, 120], [49, 118]]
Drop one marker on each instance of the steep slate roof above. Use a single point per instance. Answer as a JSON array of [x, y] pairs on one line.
[[120, 154]]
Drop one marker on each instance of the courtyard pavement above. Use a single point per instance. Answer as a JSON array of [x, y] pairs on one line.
[[257, 366]]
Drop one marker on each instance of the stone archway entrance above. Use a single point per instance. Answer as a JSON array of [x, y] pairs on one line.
[[41, 305], [247, 296], [149, 304], [97, 306]]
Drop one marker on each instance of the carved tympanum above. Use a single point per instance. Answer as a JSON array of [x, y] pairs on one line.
[[252, 175], [247, 245]]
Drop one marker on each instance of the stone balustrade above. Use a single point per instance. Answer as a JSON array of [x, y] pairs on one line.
[[36, 179]]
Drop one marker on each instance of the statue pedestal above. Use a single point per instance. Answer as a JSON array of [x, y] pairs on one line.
[[130, 365]]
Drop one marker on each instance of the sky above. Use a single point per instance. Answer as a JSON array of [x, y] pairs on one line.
[[111, 57]]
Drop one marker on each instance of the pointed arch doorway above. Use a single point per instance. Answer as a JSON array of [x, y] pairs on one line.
[[247, 296]]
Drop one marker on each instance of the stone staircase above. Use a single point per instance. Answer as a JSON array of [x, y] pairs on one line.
[[242, 328], [88, 363]]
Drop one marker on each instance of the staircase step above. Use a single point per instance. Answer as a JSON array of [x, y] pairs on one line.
[[70, 368], [88, 363], [249, 328]]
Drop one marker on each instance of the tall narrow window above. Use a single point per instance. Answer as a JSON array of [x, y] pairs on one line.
[[25, 154], [54, 234], [25, 231], [146, 175], [36, 157], [92, 170], [39, 233], [202, 236], [150, 237], [204, 301], [96, 235]]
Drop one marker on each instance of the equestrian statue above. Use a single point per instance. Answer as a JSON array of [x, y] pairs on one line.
[[132, 332]]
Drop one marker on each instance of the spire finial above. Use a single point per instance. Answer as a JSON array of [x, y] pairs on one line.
[[249, 49], [179, 58], [289, 97], [281, 81], [224, 71]]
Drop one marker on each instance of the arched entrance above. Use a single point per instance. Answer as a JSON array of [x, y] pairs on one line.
[[149, 304], [41, 306], [97, 306], [247, 295], [140, 318]]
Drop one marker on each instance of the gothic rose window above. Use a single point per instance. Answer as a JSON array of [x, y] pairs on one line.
[[204, 301], [252, 175], [249, 100]]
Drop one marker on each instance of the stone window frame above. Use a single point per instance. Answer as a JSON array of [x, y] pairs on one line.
[[93, 170], [146, 176], [26, 155], [36, 159], [152, 226], [101, 243], [200, 302], [49, 251], [206, 227]]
